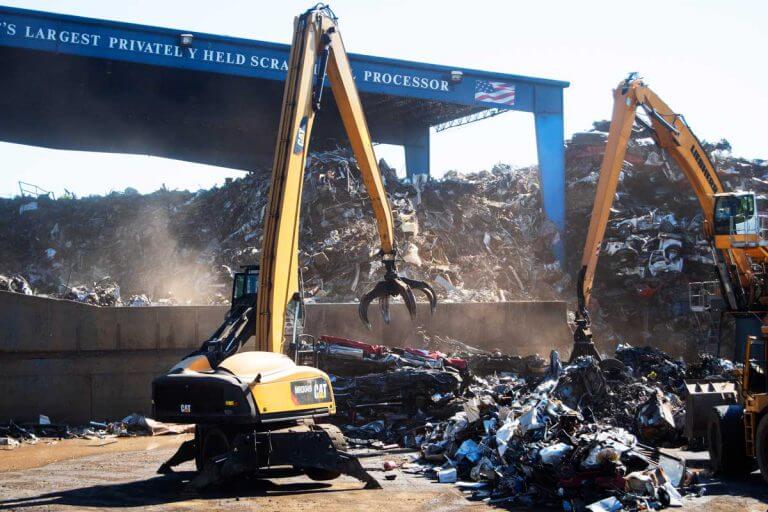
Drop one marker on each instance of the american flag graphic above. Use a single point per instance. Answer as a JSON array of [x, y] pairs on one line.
[[495, 92]]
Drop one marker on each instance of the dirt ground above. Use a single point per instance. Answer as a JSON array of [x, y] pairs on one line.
[[80, 474]]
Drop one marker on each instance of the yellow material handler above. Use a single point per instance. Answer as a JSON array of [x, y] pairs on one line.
[[260, 409]]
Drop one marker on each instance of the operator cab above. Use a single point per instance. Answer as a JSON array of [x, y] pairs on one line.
[[239, 324], [741, 216], [245, 286]]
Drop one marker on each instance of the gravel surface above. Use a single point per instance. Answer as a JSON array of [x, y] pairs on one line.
[[78, 474]]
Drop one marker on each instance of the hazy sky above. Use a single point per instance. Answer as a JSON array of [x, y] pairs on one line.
[[705, 58]]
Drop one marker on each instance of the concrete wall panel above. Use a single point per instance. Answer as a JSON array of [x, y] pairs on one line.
[[177, 327], [27, 325], [75, 362], [512, 327], [64, 398], [208, 319], [137, 329], [63, 327], [97, 328], [116, 396]]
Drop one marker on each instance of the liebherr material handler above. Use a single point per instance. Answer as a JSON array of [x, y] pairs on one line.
[[734, 226], [257, 409], [736, 229]]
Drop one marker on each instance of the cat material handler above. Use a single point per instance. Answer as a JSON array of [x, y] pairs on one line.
[[255, 410]]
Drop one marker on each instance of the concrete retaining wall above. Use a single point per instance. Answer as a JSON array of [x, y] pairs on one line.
[[75, 362]]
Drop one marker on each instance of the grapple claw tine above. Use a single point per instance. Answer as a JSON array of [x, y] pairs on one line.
[[401, 289], [410, 302], [384, 307], [366, 300], [431, 297], [426, 289], [362, 311]]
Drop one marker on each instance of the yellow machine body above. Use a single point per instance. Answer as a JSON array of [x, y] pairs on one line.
[[279, 386], [274, 387]]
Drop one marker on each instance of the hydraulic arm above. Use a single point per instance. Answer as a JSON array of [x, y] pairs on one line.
[[670, 132], [318, 52], [256, 409]]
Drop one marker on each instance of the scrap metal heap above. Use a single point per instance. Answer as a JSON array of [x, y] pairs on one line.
[[13, 435], [480, 237], [509, 429], [524, 431], [15, 283]]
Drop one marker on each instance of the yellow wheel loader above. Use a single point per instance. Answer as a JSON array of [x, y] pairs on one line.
[[260, 409], [737, 433]]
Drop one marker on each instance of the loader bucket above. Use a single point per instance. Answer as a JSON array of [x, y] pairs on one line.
[[703, 395]]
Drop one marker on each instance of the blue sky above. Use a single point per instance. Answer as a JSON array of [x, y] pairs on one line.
[[705, 58]]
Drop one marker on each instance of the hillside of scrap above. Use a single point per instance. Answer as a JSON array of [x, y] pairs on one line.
[[478, 236]]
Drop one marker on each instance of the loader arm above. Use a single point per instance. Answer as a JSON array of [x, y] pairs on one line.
[[670, 132], [317, 51]]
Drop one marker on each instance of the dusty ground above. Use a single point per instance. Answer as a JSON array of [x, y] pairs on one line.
[[77, 474], [47, 452]]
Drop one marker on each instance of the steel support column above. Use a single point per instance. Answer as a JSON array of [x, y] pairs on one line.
[[417, 151], [551, 152]]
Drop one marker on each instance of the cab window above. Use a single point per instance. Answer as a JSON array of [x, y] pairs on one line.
[[251, 283], [740, 208], [239, 286], [245, 284]]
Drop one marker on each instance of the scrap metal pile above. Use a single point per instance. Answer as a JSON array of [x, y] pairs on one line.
[[13, 435], [106, 292], [67, 248], [475, 237], [531, 432], [15, 283], [480, 237]]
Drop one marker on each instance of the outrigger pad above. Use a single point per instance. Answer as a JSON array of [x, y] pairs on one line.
[[311, 449], [185, 452], [302, 447], [350, 465]]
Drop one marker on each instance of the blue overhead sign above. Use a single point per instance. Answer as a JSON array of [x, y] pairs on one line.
[[146, 123], [210, 53]]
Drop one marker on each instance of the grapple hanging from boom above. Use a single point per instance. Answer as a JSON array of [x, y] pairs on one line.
[[395, 285], [333, 64]]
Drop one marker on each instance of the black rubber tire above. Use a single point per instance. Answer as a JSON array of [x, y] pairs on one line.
[[761, 447], [321, 475], [213, 442], [725, 438], [339, 442]]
